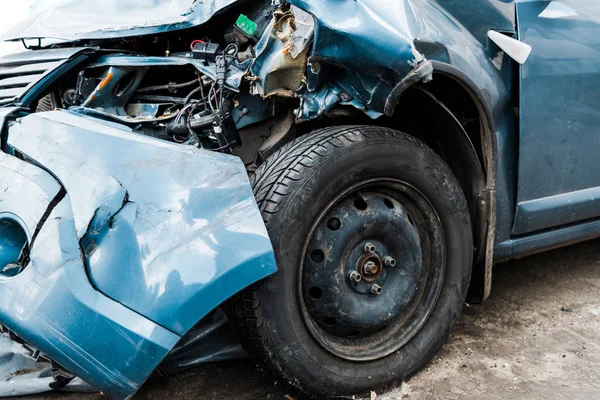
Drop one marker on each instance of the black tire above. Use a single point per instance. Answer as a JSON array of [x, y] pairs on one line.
[[292, 189]]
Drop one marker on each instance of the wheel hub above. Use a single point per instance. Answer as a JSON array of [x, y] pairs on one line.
[[370, 267], [362, 267]]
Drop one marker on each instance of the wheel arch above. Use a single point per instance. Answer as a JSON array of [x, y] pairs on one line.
[[471, 147], [448, 85]]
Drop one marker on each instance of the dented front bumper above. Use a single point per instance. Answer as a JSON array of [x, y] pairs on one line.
[[130, 242]]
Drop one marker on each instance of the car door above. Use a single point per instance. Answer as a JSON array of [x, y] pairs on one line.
[[559, 183]]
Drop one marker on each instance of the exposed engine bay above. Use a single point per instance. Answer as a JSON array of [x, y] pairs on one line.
[[198, 89], [239, 83]]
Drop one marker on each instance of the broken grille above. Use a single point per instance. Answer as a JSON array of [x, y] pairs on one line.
[[20, 72]]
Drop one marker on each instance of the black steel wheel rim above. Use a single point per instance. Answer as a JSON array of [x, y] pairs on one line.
[[372, 270]]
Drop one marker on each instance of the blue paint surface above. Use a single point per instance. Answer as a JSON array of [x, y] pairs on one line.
[[113, 18], [560, 118], [52, 304], [174, 232]]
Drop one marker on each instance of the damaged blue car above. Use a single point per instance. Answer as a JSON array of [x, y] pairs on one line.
[[328, 181]]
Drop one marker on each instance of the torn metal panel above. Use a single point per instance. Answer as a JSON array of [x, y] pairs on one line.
[[382, 33], [318, 103], [170, 231], [279, 68], [113, 18], [21, 374]]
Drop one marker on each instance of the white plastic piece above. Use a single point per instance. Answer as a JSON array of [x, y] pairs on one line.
[[514, 48]]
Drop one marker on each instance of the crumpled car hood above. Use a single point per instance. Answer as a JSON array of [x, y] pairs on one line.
[[75, 19]]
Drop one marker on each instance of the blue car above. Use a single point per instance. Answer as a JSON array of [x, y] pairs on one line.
[[324, 182]]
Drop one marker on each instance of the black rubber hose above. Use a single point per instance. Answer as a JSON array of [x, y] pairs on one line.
[[170, 86], [163, 99]]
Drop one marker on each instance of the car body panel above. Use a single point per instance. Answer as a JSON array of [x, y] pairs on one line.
[[478, 17], [381, 32], [559, 133], [52, 304], [169, 231], [99, 295]]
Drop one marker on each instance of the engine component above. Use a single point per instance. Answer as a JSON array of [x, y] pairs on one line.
[[246, 25], [205, 51], [226, 132], [116, 89]]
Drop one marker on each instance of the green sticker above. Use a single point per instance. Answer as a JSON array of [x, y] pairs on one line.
[[246, 25]]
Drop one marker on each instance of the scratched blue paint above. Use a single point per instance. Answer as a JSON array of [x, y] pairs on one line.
[[174, 230], [52, 304]]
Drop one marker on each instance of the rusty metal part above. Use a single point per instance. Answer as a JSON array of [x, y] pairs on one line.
[[370, 266]]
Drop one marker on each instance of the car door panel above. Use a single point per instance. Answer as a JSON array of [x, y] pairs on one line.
[[559, 114]]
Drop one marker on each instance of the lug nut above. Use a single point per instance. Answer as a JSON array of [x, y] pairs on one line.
[[370, 268], [376, 289], [390, 261], [355, 277], [369, 248]]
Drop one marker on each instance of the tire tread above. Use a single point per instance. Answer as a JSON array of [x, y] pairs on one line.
[[272, 183]]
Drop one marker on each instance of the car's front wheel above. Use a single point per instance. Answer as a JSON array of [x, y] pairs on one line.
[[373, 242]]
